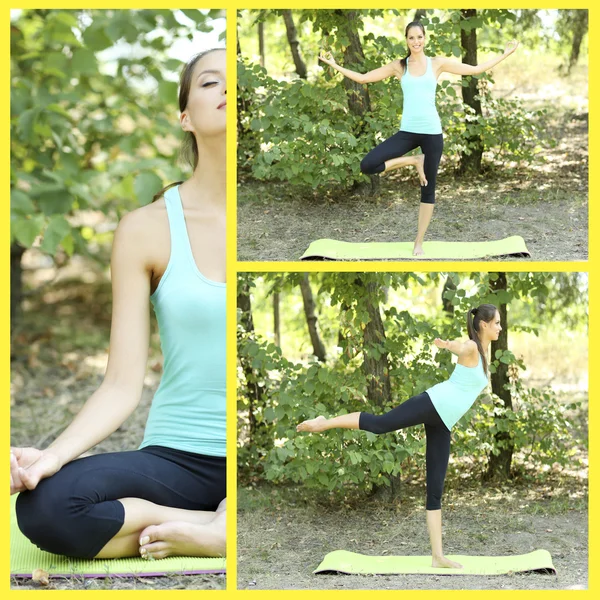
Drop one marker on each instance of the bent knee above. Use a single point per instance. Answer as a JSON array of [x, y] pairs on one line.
[[368, 167], [47, 523]]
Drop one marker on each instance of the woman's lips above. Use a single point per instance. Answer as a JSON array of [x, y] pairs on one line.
[[222, 105]]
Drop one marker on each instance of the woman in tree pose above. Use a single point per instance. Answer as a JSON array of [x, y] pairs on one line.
[[168, 496], [420, 124], [438, 408]]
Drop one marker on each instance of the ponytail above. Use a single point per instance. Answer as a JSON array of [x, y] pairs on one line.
[[485, 313]]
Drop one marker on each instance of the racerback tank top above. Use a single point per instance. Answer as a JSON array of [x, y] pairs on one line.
[[419, 114], [188, 409], [455, 396]]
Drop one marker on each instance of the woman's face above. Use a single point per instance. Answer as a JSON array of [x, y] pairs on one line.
[[205, 114], [493, 327], [415, 38]]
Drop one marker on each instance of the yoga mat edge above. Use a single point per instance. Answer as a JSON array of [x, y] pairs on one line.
[[352, 563], [328, 249]]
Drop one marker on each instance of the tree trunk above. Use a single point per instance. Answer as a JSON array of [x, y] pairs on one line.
[[376, 369], [580, 28], [499, 465], [470, 163], [378, 379], [449, 285], [276, 320], [254, 391], [16, 284], [292, 36], [359, 102], [261, 42], [311, 319]]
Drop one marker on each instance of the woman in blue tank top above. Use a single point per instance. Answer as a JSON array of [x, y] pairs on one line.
[[438, 408], [420, 125], [168, 496]]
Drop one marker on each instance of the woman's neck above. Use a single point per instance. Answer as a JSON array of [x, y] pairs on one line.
[[209, 181]]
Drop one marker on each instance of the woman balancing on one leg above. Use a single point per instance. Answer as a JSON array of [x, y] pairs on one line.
[[168, 496], [438, 408], [420, 124]]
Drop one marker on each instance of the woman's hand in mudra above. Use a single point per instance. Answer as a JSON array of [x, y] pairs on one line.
[[327, 58], [28, 466]]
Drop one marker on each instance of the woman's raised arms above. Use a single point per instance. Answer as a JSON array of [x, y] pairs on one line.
[[392, 69], [449, 65]]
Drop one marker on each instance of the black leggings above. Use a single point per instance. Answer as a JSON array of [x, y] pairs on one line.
[[416, 410], [76, 511], [401, 143]]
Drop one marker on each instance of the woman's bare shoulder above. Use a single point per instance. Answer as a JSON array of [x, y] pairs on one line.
[[144, 230]]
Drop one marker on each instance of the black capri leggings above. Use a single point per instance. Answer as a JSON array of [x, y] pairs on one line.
[[399, 144], [416, 410], [76, 511]]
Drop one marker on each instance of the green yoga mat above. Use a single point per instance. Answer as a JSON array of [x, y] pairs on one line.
[[25, 558], [342, 561], [335, 250]]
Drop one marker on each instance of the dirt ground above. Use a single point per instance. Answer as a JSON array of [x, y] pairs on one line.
[[59, 355], [545, 203], [281, 542]]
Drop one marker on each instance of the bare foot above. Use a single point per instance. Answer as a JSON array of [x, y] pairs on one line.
[[418, 249], [313, 425], [420, 161], [177, 538], [445, 563]]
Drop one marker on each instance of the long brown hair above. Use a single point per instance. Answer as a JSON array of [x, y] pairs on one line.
[[188, 152], [485, 313], [412, 24]]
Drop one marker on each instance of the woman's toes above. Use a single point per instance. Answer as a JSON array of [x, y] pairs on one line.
[[149, 534], [154, 550]]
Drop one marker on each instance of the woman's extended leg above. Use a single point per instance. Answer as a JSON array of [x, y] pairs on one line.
[[414, 411], [97, 506], [390, 155]]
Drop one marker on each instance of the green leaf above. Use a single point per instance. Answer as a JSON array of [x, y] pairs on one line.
[[146, 184], [20, 203], [58, 228], [84, 62], [26, 230], [167, 90], [57, 201], [195, 15], [96, 38], [26, 123]]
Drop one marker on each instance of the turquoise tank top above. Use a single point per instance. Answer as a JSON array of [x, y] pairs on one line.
[[455, 396], [419, 114], [188, 409]]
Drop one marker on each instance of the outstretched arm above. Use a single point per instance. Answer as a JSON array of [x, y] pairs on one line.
[[449, 65], [457, 347], [379, 74]]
